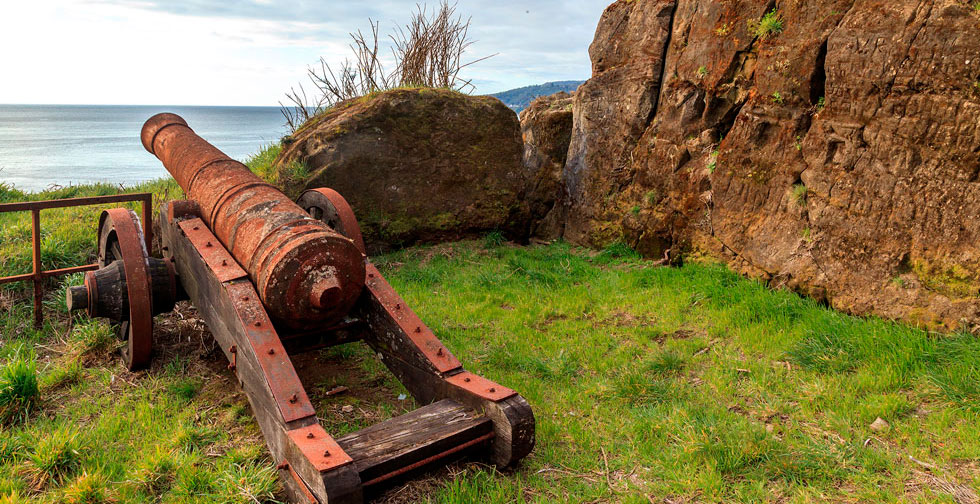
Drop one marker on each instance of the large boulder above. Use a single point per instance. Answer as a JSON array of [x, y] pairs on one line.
[[546, 125], [417, 165], [833, 148]]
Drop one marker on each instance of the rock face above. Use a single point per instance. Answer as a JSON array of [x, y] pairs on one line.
[[832, 147], [546, 126], [417, 165]]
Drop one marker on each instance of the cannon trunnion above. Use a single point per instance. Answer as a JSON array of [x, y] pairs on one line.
[[311, 256]]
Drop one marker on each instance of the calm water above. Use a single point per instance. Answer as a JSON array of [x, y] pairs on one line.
[[45, 145]]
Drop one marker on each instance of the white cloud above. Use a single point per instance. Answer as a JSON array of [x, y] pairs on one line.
[[249, 53]]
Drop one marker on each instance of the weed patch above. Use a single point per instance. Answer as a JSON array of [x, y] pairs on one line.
[[769, 26], [19, 391]]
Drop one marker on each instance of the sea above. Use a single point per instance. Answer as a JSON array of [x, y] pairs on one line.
[[47, 146]]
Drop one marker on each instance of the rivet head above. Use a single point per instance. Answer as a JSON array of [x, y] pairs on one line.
[[309, 436], [418, 330], [224, 262], [439, 353], [467, 380], [196, 228], [208, 244], [258, 323], [326, 453], [272, 351], [293, 400], [492, 390]]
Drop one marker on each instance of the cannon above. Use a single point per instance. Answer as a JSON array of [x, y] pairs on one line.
[[273, 278]]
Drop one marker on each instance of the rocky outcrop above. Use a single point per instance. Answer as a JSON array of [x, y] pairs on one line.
[[417, 165], [546, 126], [829, 146]]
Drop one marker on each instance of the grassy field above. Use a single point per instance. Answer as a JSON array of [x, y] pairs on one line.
[[649, 384]]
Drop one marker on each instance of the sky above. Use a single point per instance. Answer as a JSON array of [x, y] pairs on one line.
[[250, 52]]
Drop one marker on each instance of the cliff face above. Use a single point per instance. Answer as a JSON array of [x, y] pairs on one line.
[[832, 146], [546, 128]]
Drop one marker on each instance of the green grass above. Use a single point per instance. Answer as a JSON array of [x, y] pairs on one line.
[[19, 389], [687, 384], [769, 26], [800, 192]]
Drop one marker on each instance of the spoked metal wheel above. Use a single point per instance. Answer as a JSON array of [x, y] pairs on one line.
[[121, 239], [328, 206]]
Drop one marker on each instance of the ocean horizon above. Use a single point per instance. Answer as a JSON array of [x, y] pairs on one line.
[[47, 146]]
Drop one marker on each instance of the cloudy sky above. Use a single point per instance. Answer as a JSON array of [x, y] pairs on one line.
[[248, 52]]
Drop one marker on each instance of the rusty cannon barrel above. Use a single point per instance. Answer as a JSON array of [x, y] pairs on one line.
[[305, 272]]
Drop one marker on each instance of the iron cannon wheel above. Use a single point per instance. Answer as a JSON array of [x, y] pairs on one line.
[[121, 239], [328, 206]]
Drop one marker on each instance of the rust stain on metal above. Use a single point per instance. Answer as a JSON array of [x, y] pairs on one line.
[[269, 352], [330, 207], [288, 255], [180, 209], [481, 386], [125, 225], [321, 449], [217, 257], [410, 323]]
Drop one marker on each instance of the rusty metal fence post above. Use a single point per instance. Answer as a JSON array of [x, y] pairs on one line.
[[38, 275]]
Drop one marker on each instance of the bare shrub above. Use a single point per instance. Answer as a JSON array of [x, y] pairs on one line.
[[427, 52]]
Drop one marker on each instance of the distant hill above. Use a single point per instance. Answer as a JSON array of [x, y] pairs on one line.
[[518, 99]]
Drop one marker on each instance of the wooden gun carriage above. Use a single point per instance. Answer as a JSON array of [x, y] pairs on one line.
[[273, 278]]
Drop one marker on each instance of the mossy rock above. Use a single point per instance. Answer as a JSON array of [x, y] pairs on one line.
[[417, 165]]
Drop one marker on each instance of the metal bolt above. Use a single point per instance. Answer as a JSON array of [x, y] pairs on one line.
[[326, 453], [309, 436], [467, 379], [258, 323], [418, 330], [293, 400], [439, 353], [245, 298], [492, 390], [272, 351], [370, 275], [208, 244], [224, 262], [398, 306], [196, 228]]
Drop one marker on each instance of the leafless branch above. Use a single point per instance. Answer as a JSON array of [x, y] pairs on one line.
[[428, 52]]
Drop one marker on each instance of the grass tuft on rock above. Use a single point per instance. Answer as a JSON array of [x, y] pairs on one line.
[[769, 26]]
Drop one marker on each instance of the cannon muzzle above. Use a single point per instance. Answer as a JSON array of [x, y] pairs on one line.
[[306, 273]]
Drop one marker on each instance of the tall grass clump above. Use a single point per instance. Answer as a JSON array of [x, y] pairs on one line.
[[19, 392], [54, 458], [426, 52]]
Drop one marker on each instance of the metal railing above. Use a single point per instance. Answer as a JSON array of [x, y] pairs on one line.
[[38, 275]]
